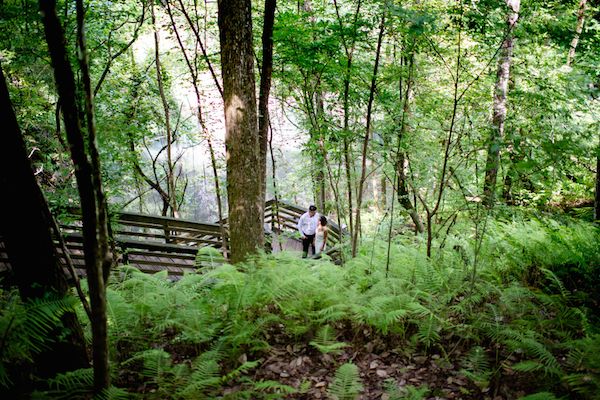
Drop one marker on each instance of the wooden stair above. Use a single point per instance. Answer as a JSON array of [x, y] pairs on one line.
[[155, 243]]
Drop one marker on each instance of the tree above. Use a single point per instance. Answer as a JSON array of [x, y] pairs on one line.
[[499, 104], [171, 192], [265, 89], [246, 206], [87, 173], [192, 65], [597, 191], [27, 230], [365, 149], [578, 29]]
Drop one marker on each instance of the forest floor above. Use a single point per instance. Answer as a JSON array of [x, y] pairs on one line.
[[279, 327], [383, 369]]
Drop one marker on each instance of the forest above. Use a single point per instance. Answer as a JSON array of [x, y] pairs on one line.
[[310, 199]]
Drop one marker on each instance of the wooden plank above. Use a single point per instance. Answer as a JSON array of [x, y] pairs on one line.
[[143, 252], [168, 222], [146, 245], [160, 263]]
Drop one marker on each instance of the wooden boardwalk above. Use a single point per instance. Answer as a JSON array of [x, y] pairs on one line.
[[154, 243]]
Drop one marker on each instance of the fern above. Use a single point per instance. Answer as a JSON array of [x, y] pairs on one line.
[[346, 385], [325, 341], [544, 361], [155, 363], [540, 396], [113, 393], [205, 376], [208, 257], [428, 331], [25, 327], [477, 367], [274, 387], [239, 371], [584, 363], [78, 384]]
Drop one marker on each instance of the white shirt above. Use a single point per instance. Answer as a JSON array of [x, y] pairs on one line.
[[307, 225]]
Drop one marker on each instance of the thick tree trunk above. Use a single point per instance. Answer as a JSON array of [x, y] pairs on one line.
[[264, 90], [86, 177], [26, 230], [365, 149], [578, 29], [246, 206], [499, 106]]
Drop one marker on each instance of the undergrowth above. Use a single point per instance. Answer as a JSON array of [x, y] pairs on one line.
[[521, 317]]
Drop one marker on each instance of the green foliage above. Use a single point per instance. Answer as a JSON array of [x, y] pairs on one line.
[[346, 384], [191, 338], [28, 328], [408, 392], [584, 362], [477, 367], [539, 396], [208, 257], [71, 384], [325, 341]]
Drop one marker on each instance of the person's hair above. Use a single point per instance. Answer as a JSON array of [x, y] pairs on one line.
[[312, 208], [323, 220]]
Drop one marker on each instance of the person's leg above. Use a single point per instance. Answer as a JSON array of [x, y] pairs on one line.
[[312, 242], [305, 244]]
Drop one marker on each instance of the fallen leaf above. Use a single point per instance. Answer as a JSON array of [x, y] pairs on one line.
[[420, 359], [382, 373]]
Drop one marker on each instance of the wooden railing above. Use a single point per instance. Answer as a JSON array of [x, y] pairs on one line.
[[284, 217], [155, 243]]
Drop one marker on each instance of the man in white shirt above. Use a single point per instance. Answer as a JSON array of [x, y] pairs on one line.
[[307, 226]]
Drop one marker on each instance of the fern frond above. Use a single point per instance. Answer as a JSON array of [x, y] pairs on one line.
[[346, 385], [239, 371], [540, 396], [156, 362], [274, 387], [325, 341], [113, 393], [428, 333]]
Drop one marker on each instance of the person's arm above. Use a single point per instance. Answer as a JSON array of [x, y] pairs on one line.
[[299, 226]]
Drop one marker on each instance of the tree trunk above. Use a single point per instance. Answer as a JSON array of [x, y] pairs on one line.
[[597, 196], [383, 196], [26, 232], [349, 49], [86, 177], [170, 167], [365, 148], [193, 69], [578, 29], [264, 90], [402, 187], [499, 106], [246, 206], [404, 196]]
